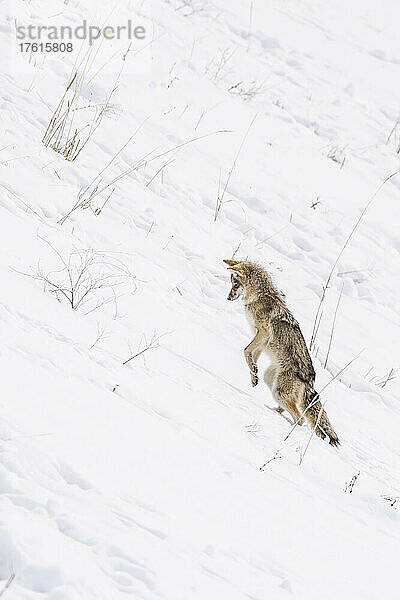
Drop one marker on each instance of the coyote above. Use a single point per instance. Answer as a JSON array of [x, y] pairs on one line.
[[290, 375]]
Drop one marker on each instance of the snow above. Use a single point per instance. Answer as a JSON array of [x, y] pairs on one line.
[[143, 480]]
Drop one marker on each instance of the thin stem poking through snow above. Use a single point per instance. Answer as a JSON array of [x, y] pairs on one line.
[[317, 319], [220, 199], [8, 582], [94, 189], [333, 327]]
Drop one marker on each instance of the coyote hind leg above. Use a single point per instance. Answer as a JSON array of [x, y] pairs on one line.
[[288, 391], [270, 376], [312, 414]]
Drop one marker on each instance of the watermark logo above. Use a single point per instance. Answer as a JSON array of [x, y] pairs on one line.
[[54, 33]]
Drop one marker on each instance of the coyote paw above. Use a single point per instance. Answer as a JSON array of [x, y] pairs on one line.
[[254, 380], [254, 375]]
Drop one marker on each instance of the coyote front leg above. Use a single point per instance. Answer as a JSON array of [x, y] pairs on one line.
[[252, 354]]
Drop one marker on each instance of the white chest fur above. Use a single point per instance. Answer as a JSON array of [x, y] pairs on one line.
[[250, 319]]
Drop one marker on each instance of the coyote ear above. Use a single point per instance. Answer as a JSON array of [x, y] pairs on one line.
[[239, 268], [231, 262]]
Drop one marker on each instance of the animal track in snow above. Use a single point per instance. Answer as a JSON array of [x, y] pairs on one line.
[[74, 478]]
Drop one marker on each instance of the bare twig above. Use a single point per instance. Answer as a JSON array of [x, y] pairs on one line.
[[315, 204], [337, 154], [160, 169], [8, 582], [333, 327], [217, 67], [250, 25], [383, 381], [249, 90], [391, 499], [153, 343], [102, 333], [200, 118], [276, 456], [349, 485], [80, 276], [253, 428], [392, 132], [22, 201], [236, 250]]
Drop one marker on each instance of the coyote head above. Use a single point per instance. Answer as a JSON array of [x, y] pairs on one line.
[[238, 278]]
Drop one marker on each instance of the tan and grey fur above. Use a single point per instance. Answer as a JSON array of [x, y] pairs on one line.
[[290, 375]]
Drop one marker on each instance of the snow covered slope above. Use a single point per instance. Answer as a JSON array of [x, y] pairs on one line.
[[143, 480]]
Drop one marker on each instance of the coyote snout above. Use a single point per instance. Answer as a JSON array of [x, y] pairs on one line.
[[290, 375]]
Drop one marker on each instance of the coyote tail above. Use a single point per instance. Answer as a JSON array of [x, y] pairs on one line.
[[316, 414]]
